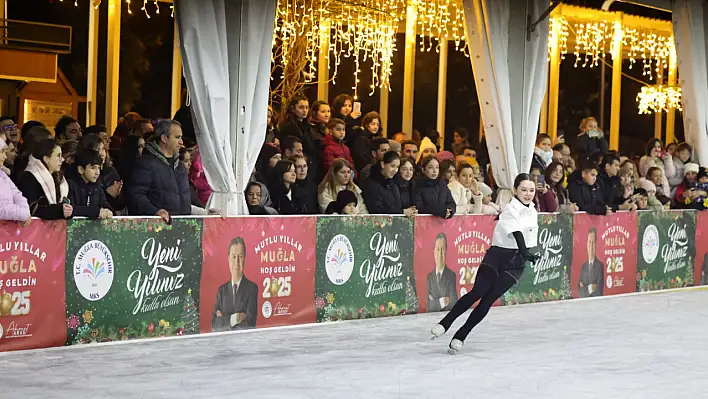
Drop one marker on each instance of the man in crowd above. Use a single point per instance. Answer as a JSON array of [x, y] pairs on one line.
[[379, 146], [160, 185], [609, 183], [410, 149], [586, 193]]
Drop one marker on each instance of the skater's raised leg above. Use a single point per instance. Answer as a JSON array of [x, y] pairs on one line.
[[501, 285]]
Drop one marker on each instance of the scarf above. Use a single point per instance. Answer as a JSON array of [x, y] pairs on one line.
[[45, 179]]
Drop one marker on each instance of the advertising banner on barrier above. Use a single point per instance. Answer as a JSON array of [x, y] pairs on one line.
[[447, 255], [132, 278], [700, 272], [549, 278], [666, 250], [258, 272], [604, 256], [32, 285], [364, 267]]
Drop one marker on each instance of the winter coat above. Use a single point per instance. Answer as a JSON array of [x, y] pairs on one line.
[[677, 179], [286, 201], [158, 183], [39, 205], [467, 203], [589, 199], [407, 191], [327, 195], [13, 205], [612, 190], [381, 194], [585, 146], [361, 149], [87, 199], [303, 131], [199, 180], [666, 165], [307, 193], [433, 197], [334, 149]]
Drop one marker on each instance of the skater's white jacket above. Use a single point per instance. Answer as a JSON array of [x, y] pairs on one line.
[[516, 217]]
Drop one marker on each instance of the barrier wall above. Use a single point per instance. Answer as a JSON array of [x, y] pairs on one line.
[[81, 281]]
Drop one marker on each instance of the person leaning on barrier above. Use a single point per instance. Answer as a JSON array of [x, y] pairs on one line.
[[160, 185], [13, 205]]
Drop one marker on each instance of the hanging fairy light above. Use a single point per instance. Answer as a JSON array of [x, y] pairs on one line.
[[591, 39], [440, 21], [653, 48], [360, 29], [144, 8], [558, 26], [658, 98]]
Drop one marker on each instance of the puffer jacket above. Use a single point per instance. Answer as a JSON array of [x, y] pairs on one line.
[[381, 195], [334, 149], [13, 205], [158, 183], [432, 196], [87, 198]]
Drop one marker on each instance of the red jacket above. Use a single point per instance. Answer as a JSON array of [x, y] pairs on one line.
[[334, 149]]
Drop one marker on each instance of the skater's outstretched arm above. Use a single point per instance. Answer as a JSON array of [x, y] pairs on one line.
[[526, 255]]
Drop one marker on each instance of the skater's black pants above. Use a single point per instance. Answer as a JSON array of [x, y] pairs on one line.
[[488, 287]]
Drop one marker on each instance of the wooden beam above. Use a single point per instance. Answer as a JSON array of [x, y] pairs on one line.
[[658, 128], [409, 68], [671, 115], [92, 69], [554, 82], [442, 91], [176, 102], [113, 64], [616, 100]]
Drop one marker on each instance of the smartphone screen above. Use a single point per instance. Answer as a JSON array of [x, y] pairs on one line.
[[542, 180], [357, 106]]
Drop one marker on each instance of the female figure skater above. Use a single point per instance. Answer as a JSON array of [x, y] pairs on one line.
[[502, 266]]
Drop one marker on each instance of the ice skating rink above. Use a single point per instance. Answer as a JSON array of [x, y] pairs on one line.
[[640, 346]]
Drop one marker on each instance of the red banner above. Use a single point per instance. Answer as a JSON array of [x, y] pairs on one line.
[[32, 302], [457, 246], [701, 263], [611, 241], [274, 273]]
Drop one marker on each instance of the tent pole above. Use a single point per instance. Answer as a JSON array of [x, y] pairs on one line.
[[409, 68], [671, 114], [616, 84], [92, 68], [113, 64], [442, 90], [176, 74]]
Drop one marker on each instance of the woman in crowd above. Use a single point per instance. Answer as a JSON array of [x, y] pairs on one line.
[[432, 195], [283, 191], [307, 189], [13, 205], [381, 193], [320, 116], [296, 125], [32, 133], [271, 128], [258, 200], [683, 155], [464, 190], [43, 184], [591, 140], [656, 157], [689, 195], [460, 141], [185, 157], [369, 130], [555, 199], [269, 156], [338, 178], [405, 180], [343, 108]]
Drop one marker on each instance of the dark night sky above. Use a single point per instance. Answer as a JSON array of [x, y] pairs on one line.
[[146, 61]]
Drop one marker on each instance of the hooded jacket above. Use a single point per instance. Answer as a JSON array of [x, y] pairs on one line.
[[334, 149], [432, 196], [381, 194]]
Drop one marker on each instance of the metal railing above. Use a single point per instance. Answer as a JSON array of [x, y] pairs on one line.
[[35, 36]]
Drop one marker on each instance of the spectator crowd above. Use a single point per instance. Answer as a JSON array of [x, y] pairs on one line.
[[323, 159]]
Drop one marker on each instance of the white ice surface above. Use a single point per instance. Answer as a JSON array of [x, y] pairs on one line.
[[642, 346]]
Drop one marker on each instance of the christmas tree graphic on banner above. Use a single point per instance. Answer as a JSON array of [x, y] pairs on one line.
[[190, 315]]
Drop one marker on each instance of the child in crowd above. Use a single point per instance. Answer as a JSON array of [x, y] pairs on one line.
[[333, 143], [345, 204], [641, 199], [543, 152], [85, 191]]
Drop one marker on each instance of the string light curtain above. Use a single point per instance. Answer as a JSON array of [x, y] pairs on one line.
[[360, 30], [440, 21], [659, 98]]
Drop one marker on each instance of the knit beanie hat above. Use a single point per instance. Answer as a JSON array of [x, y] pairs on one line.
[[344, 198], [425, 144], [691, 167], [268, 151], [443, 155], [703, 172], [647, 185]]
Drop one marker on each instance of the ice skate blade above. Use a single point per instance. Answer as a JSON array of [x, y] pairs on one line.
[[437, 331], [452, 351], [455, 346]]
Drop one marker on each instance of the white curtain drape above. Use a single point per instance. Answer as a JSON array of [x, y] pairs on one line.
[[510, 74], [689, 36], [226, 51]]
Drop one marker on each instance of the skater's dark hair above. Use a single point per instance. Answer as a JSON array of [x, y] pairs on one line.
[[238, 241], [522, 177], [443, 237]]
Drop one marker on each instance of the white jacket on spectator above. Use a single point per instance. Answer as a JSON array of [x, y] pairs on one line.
[[327, 196], [666, 165], [13, 205], [470, 204]]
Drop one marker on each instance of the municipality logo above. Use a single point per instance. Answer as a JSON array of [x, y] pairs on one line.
[[93, 270], [650, 244], [339, 259]]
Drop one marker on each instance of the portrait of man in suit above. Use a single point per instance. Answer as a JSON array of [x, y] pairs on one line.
[[442, 287], [592, 273], [236, 306]]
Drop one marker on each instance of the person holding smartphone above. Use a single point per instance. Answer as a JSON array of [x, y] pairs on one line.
[[657, 157], [591, 140]]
